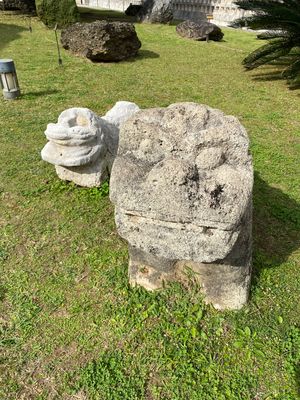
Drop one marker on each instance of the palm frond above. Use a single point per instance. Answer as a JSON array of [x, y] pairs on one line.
[[281, 20], [267, 53]]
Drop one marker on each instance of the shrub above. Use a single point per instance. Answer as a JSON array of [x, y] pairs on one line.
[[52, 12]]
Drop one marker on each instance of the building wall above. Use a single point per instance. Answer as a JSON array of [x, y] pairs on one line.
[[223, 11], [118, 5]]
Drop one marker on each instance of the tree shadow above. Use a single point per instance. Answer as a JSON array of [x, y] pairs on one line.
[[274, 71], [32, 95], [8, 33], [276, 226], [91, 15], [141, 55]]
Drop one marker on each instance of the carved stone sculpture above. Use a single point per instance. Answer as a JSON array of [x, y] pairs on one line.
[[182, 187], [102, 40], [82, 145]]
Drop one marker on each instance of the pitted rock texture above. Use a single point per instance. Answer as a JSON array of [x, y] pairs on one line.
[[102, 40], [182, 187], [82, 145], [199, 30], [156, 11]]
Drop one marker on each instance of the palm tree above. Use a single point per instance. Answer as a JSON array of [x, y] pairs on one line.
[[281, 20]]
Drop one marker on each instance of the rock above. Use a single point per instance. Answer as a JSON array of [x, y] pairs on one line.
[[156, 11], [83, 146], [102, 40], [199, 31], [182, 187], [133, 9]]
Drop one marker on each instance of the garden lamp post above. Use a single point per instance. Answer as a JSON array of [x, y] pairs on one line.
[[9, 80]]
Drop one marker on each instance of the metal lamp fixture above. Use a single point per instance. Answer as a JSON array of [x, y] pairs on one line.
[[9, 80]]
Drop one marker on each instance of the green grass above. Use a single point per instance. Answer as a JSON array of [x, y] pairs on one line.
[[70, 326]]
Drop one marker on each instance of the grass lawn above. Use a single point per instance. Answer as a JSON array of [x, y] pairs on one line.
[[70, 326]]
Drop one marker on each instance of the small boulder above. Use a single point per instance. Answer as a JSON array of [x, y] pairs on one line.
[[199, 31], [102, 40]]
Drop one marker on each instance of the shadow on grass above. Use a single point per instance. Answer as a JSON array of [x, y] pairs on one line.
[[276, 226], [141, 55], [274, 71], [8, 33], [32, 95], [90, 15]]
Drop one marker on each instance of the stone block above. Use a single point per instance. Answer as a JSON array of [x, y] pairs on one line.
[[182, 187]]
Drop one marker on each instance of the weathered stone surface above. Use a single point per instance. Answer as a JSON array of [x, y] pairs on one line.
[[120, 112], [199, 31], [83, 146], [156, 11], [77, 147], [182, 187], [112, 121], [75, 140], [102, 40]]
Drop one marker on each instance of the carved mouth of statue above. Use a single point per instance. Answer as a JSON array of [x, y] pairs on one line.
[[186, 240], [206, 225]]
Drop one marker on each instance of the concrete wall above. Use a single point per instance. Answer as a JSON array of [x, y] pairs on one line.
[[118, 5], [223, 11]]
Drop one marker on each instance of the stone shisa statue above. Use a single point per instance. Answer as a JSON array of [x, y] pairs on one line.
[[182, 187], [82, 145]]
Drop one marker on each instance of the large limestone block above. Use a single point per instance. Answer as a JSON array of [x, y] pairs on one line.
[[182, 187]]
